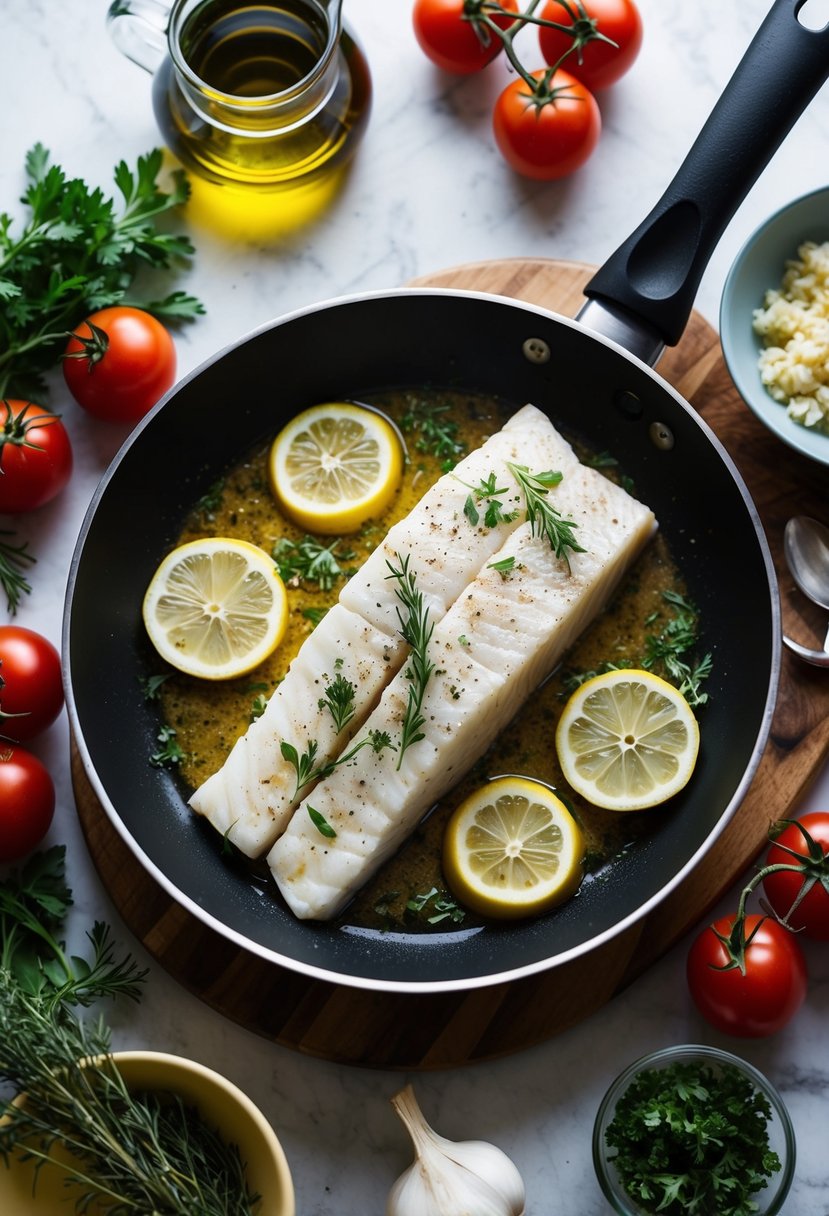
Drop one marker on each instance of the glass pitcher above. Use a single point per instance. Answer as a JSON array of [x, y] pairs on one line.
[[262, 102]]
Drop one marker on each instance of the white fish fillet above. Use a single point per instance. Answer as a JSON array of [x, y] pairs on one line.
[[500, 639], [251, 798]]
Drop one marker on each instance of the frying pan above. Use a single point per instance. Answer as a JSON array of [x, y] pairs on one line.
[[594, 377]]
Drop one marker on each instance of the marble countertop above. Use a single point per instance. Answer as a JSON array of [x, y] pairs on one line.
[[428, 190]]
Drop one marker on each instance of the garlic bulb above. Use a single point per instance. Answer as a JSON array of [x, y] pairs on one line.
[[452, 1178]]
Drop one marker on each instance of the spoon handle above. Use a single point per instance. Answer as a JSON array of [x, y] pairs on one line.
[[818, 658]]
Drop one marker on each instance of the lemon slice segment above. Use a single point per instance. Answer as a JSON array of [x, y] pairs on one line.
[[627, 740], [512, 849], [334, 466], [216, 608]]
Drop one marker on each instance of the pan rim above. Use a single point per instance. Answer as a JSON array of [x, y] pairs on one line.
[[442, 985]]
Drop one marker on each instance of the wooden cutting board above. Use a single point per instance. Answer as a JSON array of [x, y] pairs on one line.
[[347, 1025]]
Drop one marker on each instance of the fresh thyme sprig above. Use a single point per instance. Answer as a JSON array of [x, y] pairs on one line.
[[487, 494], [416, 629], [13, 560], [542, 516], [309, 561], [436, 434]]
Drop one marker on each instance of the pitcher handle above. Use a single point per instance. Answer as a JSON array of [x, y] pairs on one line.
[[139, 30]]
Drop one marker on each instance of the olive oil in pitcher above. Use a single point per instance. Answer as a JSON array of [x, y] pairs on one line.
[[263, 103]]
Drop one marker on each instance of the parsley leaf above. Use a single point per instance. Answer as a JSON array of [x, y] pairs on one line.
[[78, 252]]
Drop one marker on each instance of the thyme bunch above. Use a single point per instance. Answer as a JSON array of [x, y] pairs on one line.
[[416, 629]]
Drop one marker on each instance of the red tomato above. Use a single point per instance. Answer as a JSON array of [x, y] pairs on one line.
[[120, 362], [27, 803], [31, 691], [35, 456], [783, 887], [597, 64], [448, 36], [551, 140], [764, 999]]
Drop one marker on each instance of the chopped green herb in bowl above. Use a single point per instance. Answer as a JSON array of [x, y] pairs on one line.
[[693, 1130]]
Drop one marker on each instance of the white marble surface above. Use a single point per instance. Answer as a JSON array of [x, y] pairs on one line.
[[428, 190]]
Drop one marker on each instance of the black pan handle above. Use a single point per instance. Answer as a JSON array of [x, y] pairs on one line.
[[644, 293]]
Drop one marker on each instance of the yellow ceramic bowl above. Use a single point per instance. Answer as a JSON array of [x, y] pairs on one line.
[[220, 1103]]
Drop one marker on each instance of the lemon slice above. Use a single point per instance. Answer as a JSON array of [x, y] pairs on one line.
[[216, 608], [335, 466], [627, 740], [512, 849]]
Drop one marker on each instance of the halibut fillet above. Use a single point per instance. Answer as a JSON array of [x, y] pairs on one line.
[[495, 645], [252, 796]]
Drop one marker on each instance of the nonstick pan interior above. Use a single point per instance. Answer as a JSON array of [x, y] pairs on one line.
[[351, 348]]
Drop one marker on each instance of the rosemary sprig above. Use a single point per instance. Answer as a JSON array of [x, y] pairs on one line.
[[416, 629], [309, 561], [138, 1153], [542, 516]]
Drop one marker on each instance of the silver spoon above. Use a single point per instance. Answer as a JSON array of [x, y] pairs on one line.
[[806, 547]]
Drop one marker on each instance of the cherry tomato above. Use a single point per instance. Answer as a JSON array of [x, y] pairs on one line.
[[764, 999], [119, 363], [783, 887], [27, 802], [35, 456], [596, 64], [551, 140], [448, 36], [31, 691]]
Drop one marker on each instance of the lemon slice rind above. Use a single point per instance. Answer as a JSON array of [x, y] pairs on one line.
[[216, 608], [334, 466], [512, 849], [627, 740]]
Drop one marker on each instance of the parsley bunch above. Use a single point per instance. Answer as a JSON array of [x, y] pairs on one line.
[[76, 253], [691, 1140]]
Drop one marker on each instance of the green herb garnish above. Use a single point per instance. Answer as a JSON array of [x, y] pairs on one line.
[[309, 561], [443, 906], [321, 823], [691, 1138], [13, 560], [436, 434], [76, 254], [308, 771], [339, 700], [487, 494], [171, 752], [504, 567], [151, 685], [542, 516], [416, 629], [665, 650], [209, 503]]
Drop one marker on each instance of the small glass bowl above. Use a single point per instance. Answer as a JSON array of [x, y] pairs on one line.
[[781, 1133]]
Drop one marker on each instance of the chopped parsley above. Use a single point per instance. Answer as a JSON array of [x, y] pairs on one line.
[[692, 1138]]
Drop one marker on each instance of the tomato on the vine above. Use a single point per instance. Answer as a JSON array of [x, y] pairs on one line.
[[27, 802], [760, 997], [31, 690], [119, 363], [596, 63], [452, 35], [548, 135], [784, 888], [35, 456]]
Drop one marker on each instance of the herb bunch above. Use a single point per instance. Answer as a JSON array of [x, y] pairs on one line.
[[128, 1152], [690, 1138], [77, 253]]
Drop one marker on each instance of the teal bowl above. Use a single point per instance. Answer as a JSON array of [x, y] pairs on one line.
[[758, 266]]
